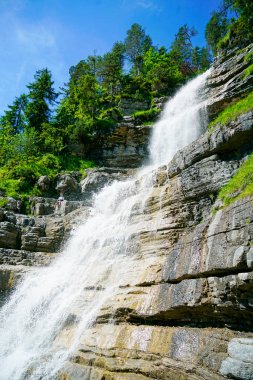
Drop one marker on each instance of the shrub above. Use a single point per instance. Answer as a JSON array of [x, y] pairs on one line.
[[111, 114]]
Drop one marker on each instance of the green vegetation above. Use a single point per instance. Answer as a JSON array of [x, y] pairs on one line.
[[234, 110], [216, 29], [248, 57], [142, 117], [248, 71], [3, 202], [18, 177], [241, 185], [231, 26]]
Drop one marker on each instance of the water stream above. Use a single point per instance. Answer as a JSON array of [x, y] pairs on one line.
[[94, 258]]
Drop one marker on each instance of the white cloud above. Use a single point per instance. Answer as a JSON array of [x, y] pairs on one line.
[[35, 36], [148, 5]]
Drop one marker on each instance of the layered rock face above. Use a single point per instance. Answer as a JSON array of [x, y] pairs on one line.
[[227, 81], [185, 310], [125, 147]]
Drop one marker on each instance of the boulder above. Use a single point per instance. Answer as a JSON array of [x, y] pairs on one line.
[[44, 183], [66, 183]]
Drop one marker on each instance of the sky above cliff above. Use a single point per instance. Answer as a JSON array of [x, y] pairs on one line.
[[59, 33]]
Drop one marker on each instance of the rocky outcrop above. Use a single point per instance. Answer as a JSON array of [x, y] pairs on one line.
[[185, 308], [66, 183], [227, 82], [129, 106], [100, 177], [125, 147], [159, 103]]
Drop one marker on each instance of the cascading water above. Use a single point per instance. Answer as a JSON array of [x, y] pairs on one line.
[[95, 257]]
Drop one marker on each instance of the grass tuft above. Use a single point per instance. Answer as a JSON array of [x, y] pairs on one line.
[[240, 186], [233, 111]]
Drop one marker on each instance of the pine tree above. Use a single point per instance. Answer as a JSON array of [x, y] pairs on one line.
[[181, 48], [216, 29], [111, 67], [137, 42], [15, 116], [42, 97]]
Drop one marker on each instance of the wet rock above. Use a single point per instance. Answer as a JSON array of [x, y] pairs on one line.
[[98, 178], [16, 257], [224, 140], [239, 364], [184, 310], [250, 258], [160, 102], [7, 279], [128, 119]]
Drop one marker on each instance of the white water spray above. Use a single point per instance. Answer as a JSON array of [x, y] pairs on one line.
[[94, 259]]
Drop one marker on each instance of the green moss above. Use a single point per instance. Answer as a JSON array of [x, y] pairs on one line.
[[247, 72], [233, 111], [241, 185], [248, 57]]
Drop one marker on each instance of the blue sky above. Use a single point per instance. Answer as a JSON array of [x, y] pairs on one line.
[[59, 33]]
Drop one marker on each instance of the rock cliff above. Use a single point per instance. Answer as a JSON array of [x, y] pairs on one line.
[[185, 311]]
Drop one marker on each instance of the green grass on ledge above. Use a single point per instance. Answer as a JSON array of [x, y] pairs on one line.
[[248, 71], [240, 186], [232, 112]]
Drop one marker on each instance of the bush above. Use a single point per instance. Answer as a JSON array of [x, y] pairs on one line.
[[74, 163], [102, 126], [18, 179], [142, 117]]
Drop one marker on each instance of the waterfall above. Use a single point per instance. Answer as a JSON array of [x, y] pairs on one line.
[[91, 268]]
